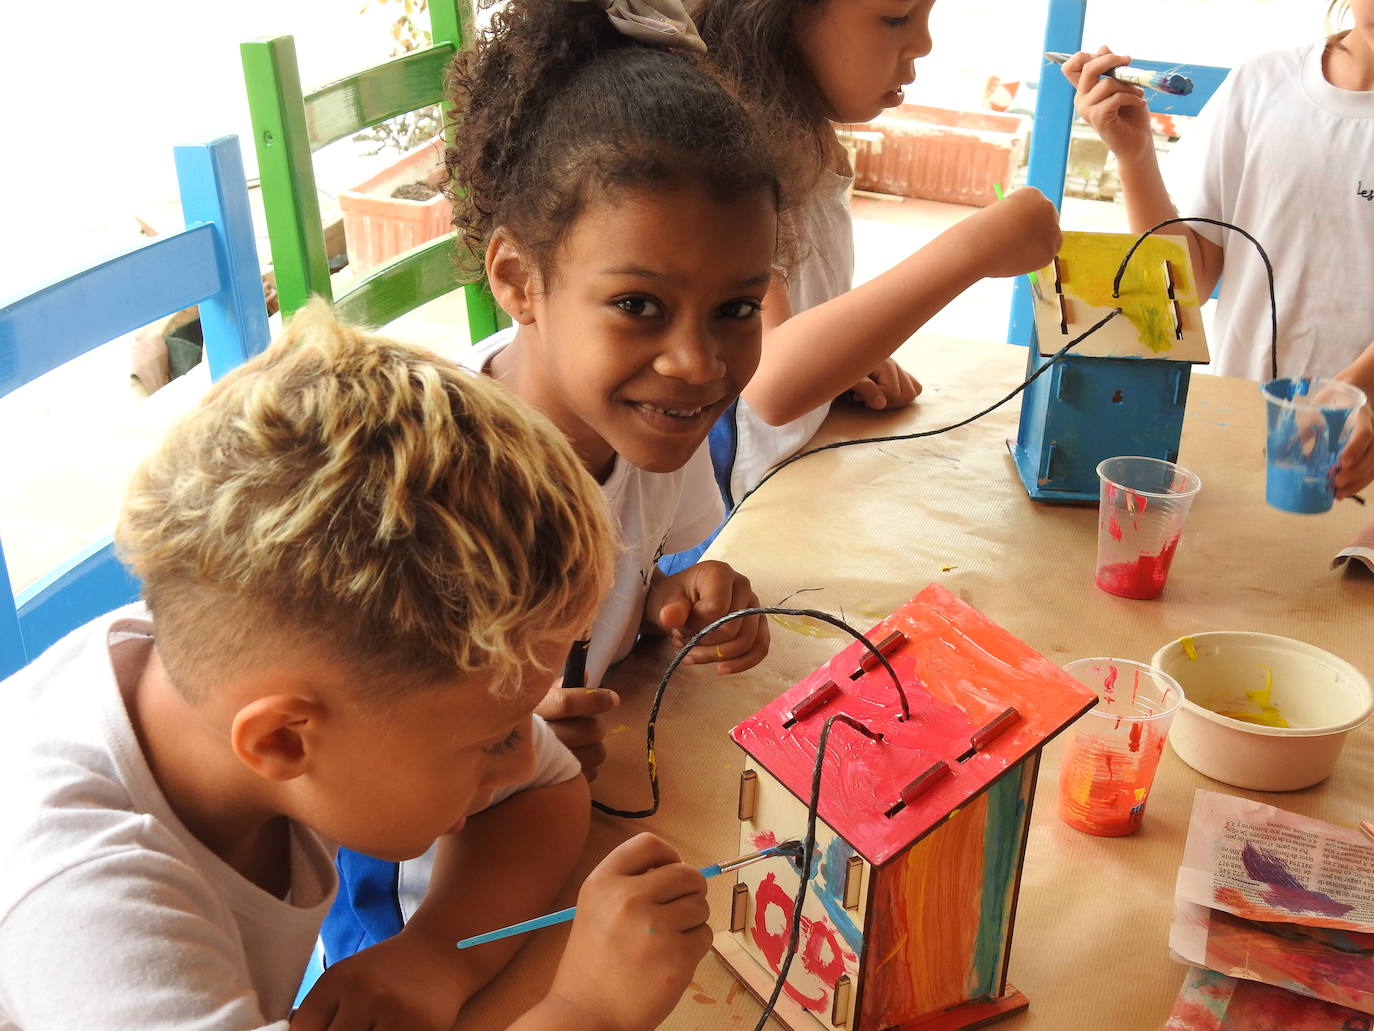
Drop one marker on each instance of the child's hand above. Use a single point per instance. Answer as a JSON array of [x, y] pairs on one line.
[[574, 714], [1116, 110], [1016, 235], [681, 604], [639, 934], [401, 984], [887, 386], [1355, 470]]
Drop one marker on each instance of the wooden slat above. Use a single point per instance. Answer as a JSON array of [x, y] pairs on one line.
[[401, 285], [92, 582], [341, 108], [68, 317], [277, 108]]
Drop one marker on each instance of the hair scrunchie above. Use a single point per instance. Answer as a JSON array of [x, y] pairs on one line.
[[663, 23]]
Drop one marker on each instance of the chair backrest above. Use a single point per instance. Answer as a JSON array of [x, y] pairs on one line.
[[1054, 114], [289, 125], [213, 262]]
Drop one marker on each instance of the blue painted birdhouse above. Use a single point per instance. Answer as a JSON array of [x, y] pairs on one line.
[[1121, 391]]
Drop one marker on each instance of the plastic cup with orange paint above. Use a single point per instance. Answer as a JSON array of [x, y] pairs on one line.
[[1111, 753], [1141, 510]]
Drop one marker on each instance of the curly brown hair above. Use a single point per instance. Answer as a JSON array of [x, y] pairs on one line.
[[753, 42], [553, 104]]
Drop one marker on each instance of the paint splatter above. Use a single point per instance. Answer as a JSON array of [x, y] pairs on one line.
[[1109, 684], [1269, 714], [1286, 891], [765, 839], [1113, 527], [1135, 737], [1189, 649]]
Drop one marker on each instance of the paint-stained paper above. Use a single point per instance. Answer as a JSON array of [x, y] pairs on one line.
[[1266, 864], [1209, 1001]]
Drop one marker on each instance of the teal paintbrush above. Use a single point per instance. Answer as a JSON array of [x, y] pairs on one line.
[[787, 848]]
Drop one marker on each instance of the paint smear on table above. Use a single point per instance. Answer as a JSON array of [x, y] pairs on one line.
[[806, 627]]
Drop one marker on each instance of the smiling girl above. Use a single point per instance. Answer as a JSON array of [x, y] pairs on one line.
[[814, 63]]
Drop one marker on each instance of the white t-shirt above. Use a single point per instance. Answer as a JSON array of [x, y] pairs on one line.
[[654, 514], [112, 914], [1288, 157], [825, 271]]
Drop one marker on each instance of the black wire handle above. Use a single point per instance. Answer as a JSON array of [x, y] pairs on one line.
[[808, 855], [1057, 356], [650, 735], [1268, 269]]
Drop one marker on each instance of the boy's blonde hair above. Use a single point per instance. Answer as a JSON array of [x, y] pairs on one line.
[[412, 519]]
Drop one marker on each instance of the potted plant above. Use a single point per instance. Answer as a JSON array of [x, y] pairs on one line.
[[403, 205]]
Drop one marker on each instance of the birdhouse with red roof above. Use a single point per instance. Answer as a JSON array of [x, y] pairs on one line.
[[921, 829]]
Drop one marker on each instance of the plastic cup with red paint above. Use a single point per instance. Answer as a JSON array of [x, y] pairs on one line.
[[1111, 753], [1142, 505]]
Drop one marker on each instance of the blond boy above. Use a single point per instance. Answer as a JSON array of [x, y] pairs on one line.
[[359, 566]]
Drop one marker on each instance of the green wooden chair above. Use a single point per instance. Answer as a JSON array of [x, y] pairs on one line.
[[289, 125]]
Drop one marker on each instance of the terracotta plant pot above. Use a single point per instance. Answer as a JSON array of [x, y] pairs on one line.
[[941, 154], [378, 226]]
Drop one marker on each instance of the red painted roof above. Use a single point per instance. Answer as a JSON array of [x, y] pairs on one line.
[[960, 671]]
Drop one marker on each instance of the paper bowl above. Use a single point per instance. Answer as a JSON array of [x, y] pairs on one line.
[[1321, 697]]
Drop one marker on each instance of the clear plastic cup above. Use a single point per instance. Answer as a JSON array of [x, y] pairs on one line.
[[1309, 423], [1112, 752], [1141, 508]]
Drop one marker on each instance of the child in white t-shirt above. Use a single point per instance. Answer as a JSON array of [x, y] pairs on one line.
[[1285, 151], [626, 207], [813, 63], [359, 564]]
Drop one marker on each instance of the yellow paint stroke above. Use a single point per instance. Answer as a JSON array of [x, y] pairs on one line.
[[1188, 648], [806, 627], [620, 728], [946, 569], [1269, 714], [1089, 262]]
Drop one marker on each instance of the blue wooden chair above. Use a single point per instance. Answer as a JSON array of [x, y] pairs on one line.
[[213, 262], [1054, 115]]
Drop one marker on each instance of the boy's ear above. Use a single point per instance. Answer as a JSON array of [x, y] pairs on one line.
[[511, 275], [275, 735]]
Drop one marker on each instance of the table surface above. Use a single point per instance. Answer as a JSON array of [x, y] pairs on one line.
[[861, 530]]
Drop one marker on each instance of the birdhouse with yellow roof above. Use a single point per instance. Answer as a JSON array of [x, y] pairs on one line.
[[922, 820], [1121, 391]]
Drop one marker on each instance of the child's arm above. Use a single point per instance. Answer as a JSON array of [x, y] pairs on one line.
[[1120, 115], [681, 604], [639, 934], [1356, 468], [813, 356], [506, 865]]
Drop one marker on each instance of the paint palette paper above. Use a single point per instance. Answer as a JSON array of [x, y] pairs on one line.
[[1209, 1001], [1267, 864], [1159, 301]]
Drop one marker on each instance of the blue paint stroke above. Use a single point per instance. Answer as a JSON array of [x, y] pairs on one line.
[[829, 878], [1001, 846]]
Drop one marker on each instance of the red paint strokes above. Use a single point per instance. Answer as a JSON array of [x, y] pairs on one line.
[[1135, 737], [1109, 684], [960, 671], [1113, 527], [768, 895], [822, 955], [1141, 579], [765, 839]]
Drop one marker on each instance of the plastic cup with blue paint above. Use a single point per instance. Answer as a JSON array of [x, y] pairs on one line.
[[1308, 423]]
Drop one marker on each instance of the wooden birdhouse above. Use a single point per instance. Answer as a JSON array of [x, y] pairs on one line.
[[920, 835], [1122, 390]]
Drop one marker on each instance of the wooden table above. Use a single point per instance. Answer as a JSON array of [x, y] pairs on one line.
[[861, 530]]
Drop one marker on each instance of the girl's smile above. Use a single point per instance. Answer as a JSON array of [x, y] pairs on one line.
[[647, 327]]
